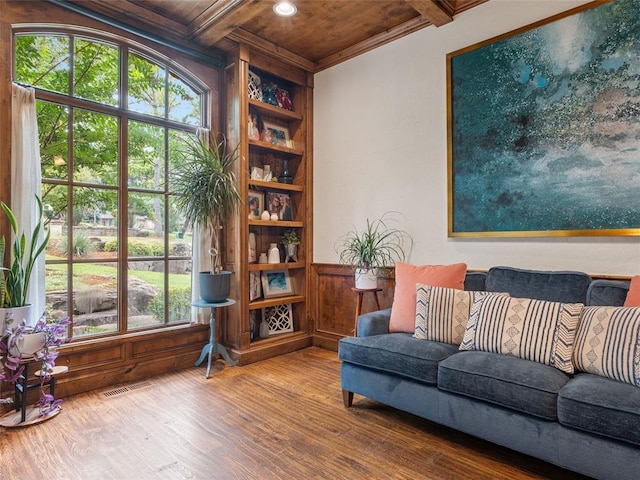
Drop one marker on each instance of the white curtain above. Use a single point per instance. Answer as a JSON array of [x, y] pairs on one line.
[[26, 182], [200, 257]]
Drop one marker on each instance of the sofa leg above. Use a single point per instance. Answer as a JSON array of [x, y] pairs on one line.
[[347, 398]]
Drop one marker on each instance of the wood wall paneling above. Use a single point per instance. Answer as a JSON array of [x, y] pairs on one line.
[[335, 304]]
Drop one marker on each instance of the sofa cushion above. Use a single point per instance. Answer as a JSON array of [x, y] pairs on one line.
[[475, 281], [510, 382], [602, 406], [566, 287], [603, 292], [633, 295], [397, 353], [442, 314], [608, 343], [531, 329], [403, 309]]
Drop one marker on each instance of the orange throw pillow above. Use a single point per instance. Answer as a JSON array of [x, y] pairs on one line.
[[633, 295], [403, 310]]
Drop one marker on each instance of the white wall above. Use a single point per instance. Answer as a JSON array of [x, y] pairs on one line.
[[380, 144]]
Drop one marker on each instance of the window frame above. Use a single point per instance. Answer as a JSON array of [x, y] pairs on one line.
[[124, 116]]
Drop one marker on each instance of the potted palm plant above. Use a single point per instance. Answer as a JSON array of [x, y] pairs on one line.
[[377, 246], [15, 279], [208, 195]]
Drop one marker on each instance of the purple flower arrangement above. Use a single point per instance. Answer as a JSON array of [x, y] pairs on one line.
[[55, 334]]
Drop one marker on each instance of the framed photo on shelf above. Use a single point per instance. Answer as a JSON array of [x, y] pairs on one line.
[[276, 135], [255, 317], [255, 286], [280, 204], [276, 283], [256, 204]]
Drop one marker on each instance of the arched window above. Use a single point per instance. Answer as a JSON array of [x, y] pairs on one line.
[[110, 116]]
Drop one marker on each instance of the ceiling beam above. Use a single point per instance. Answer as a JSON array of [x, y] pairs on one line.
[[432, 11], [221, 18], [260, 44], [410, 26]]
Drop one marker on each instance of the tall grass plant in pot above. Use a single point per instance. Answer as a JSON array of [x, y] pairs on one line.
[[15, 279], [208, 195], [375, 247]]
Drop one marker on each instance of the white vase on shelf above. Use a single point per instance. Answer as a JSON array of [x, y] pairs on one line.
[[274, 253]]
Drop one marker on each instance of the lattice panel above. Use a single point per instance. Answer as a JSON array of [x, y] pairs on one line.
[[280, 319]]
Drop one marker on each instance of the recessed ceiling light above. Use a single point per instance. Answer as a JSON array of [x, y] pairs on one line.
[[285, 9]]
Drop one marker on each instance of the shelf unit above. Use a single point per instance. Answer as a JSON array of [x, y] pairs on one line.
[[241, 333]]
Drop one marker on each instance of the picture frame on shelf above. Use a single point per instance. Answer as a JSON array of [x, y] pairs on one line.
[[255, 286], [254, 126], [280, 204], [276, 283], [255, 317], [255, 202], [275, 135], [279, 318]]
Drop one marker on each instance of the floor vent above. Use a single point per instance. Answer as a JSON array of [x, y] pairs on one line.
[[128, 388]]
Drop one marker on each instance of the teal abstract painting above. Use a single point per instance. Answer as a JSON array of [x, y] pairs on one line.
[[544, 128]]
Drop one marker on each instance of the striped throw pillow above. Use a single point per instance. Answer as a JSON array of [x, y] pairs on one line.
[[608, 343], [442, 314], [535, 330]]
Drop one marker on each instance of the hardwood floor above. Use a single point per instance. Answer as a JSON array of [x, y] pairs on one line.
[[282, 418]]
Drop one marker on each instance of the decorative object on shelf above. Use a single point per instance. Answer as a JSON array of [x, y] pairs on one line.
[[265, 215], [267, 174], [255, 287], [209, 204], [280, 318], [276, 283], [256, 204], [255, 86], [274, 253], [14, 280], [377, 246], [290, 240], [263, 258], [276, 135], [280, 204], [269, 93], [274, 217], [252, 247], [257, 173], [285, 176], [264, 328], [39, 344], [283, 99]]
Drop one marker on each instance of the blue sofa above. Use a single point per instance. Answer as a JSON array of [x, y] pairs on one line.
[[583, 422]]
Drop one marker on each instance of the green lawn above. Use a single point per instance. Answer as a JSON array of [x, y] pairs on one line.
[[88, 275]]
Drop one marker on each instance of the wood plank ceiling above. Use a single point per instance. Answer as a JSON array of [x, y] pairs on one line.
[[322, 33]]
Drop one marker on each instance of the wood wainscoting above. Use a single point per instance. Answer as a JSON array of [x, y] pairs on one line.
[[101, 363], [334, 304]]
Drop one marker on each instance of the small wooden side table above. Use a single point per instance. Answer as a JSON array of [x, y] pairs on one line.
[[24, 414], [211, 348], [361, 292]]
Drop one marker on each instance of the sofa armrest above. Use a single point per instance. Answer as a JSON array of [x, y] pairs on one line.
[[374, 323]]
